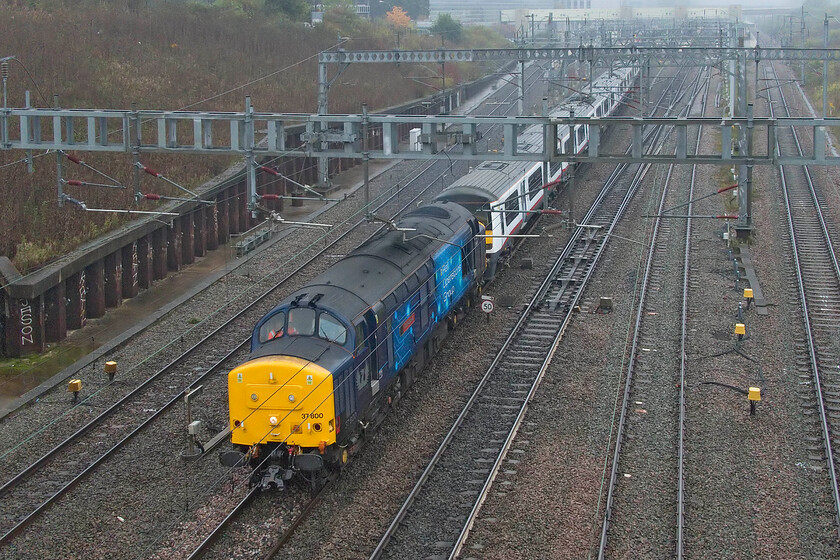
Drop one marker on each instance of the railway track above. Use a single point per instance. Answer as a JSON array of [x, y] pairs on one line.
[[27, 494], [648, 390], [242, 509], [818, 285], [62, 468], [462, 471], [51, 477]]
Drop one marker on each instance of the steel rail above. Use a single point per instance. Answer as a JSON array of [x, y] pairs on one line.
[[680, 544], [200, 551], [637, 328], [803, 301], [202, 548], [94, 422], [506, 345]]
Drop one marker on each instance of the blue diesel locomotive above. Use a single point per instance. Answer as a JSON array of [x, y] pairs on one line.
[[328, 361]]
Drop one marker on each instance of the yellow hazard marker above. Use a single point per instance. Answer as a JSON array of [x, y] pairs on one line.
[[111, 370], [748, 295], [74, 386], [740, 330], [754, 396]]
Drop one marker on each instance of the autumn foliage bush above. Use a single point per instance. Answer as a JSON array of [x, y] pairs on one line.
[[166, 56]]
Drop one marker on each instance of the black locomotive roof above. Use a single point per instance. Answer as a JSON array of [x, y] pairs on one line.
[[372, 271]]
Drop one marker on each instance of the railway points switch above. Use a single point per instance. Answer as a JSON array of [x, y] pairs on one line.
[[111, 369], [74, 386]]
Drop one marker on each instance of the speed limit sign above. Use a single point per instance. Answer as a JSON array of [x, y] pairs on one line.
[[487, 306]]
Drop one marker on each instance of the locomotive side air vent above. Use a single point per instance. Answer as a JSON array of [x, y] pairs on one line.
[[431, 211], [494, 165]]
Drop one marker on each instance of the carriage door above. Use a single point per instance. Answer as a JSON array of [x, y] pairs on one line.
[[381, 361], [361, 365], [373, 342]]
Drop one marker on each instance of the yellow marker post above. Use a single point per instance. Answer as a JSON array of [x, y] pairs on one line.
[[748, 295], [754, 395], [111, 370], [74, 386], [740, 330]]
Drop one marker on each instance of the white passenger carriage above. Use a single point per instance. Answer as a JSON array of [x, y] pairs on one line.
[[505, 195]]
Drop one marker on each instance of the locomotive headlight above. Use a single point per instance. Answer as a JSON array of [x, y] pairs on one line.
[[291, 398], [254, 397], [273, 420]]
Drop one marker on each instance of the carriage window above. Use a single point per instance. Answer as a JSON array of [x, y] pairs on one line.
[[331, 329], [273, 328], [301, 321], [566, 145], [511, 207], [535, 183]]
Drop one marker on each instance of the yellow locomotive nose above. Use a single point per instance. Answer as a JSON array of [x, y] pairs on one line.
[[281, 399]]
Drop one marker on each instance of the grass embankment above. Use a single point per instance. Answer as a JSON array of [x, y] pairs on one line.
[[170, 56]]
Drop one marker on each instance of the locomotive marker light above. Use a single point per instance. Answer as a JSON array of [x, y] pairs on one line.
[[192, 427], [111, 369], [754, 396], [74, 386]]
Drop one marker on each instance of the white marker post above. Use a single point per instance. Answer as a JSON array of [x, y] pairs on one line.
[[487, 305]]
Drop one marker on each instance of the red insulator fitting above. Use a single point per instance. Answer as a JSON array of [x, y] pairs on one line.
[[270, 196], [269, 170], [151, 196], [151, 171], [74, 159], [74, 182]]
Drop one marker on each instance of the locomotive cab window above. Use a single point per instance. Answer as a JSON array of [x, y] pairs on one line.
[[331, 329], [273, 328], [301, 321]]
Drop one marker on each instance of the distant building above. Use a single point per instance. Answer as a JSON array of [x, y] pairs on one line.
[[482, 12], [362, 10]]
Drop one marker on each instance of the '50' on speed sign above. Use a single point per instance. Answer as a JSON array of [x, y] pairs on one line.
[[487, 306]]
